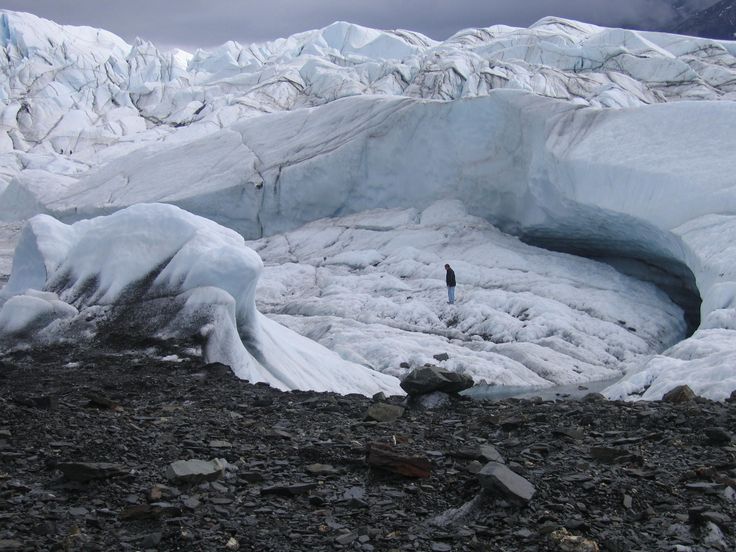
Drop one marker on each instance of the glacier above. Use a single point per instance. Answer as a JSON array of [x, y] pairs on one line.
[[603, 142]]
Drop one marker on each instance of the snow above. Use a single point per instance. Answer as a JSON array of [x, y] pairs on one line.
[[592, 140], [189, 269]]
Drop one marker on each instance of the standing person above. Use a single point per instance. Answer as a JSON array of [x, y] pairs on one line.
[[450, 279]]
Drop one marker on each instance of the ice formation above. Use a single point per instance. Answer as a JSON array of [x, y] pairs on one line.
[[599, 141], [371, 286], [154, 269]]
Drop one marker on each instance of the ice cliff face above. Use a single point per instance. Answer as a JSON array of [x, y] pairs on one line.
[[585, 138]]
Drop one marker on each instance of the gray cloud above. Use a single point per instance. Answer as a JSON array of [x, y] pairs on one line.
[[203, 23]]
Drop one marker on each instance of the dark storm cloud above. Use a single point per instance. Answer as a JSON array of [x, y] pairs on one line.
[[192, 23]]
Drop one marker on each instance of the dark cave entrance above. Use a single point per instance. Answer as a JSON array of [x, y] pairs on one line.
[[670, 275]]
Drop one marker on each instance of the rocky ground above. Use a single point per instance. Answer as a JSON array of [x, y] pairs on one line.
[[87, 443]]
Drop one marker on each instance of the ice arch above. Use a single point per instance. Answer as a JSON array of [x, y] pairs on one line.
[[657, 181]]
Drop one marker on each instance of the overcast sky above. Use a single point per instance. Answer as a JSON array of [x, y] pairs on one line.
[[205, 23]]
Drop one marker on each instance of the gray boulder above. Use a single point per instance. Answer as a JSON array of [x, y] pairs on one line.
[[196, 471], [679, 394], [433, 378]]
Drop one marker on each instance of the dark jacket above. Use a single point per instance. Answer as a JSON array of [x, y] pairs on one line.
[[450, 278]]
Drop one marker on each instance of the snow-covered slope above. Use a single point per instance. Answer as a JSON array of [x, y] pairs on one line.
[[157, 270], [604, 141]]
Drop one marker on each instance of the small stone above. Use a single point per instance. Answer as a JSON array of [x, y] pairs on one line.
[[220, 444], [232, 544], [441, 357], [101, 402], [490, 454], [347, 538], [573, 433], [608, 454], [288, 490], [593, 398], [90, 471], [679, 394], [379, 397], [567, 542], [718, 436], [159, 492], [219, 487], [44, 402], [321, 469], [354, 493], [154, 510], [474, 467], [431, 401], [441, 547], [191, 503], [713, 537], [498, 477], [382, 412], [152, 540], [216, 370]]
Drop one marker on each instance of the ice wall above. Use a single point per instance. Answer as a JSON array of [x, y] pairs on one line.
[[639, 182]]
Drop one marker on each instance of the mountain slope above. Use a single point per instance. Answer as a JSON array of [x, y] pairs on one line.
[[717, 21]]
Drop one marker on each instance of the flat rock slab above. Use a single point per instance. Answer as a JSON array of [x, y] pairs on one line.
[[288, 490], [381, 456], [321, 469], [96, 400], [156, 510], [382, 412], [195, 471], [89, 471], [498, 477], [611, 455], [43, 402]]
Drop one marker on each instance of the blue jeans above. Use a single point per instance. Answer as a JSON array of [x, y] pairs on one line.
[[451, 294]]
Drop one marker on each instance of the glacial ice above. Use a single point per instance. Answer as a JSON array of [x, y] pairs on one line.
[[607, 142]]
